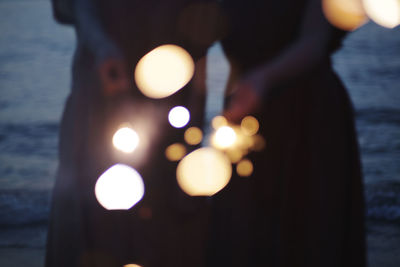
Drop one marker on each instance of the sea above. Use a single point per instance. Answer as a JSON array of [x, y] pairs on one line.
[[35, 74]]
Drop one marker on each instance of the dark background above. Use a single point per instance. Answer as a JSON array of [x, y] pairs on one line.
[[35, 58]]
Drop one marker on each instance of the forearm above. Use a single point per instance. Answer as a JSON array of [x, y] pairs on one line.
[[298, 60], [197, 96]]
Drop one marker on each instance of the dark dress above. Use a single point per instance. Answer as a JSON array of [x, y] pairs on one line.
[[166, 228], [303, 205]]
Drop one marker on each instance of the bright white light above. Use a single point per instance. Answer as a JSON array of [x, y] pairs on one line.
[[119, 188], [204, 172], [164, 71], [178, 116], [224, 137], [383, 12], [126, 140]]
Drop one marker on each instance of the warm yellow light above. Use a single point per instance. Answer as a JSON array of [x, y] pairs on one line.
[[249, 125], [178, 116], [344, 14], [132, 265], [384, 12], [244, 168], [119, 188], [218, 122], [224, 137], [193, 136], [204, 172], [245, 142], [258, 143], [175, 152], [125, 139], [164, 71], [234, 155]]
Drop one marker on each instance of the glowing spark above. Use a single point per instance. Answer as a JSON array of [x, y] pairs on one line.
[[119, 188], [164, 71], [218, 122], [204, 172], [224, 137], [234, 155], [244, 168], [383, 12], [193, 136], [250, 125], [178, 116], [344, 14], [175, 152], [258, 143], [125, 140]]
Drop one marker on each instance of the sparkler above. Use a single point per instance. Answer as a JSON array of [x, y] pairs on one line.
[[203, 172]]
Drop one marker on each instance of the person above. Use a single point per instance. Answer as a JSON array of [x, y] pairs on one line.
[[303, 205], [166, 228]]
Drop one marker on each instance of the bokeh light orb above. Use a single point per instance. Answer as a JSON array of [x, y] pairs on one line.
[[218, 122], [244, 168], [204, 172], [175, 152], [383, 12], [234, 155], [179, 116], [164, 71], [119, 188], [126, 139], [259, 143], [224, 137], [344, 14], [249, 125], [193, 136], [132, 265]]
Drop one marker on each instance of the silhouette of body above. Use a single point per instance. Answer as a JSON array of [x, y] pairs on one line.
[[166, 228], [303, 205]]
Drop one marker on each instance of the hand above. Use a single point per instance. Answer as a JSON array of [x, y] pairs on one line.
[[248, 96], [113, 76]]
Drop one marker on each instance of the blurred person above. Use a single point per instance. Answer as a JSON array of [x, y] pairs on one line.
[[166, 228], [303, 205]]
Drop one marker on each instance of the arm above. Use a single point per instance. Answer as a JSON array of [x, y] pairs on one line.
[[197, 97], [108, 58], [310, 49]]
